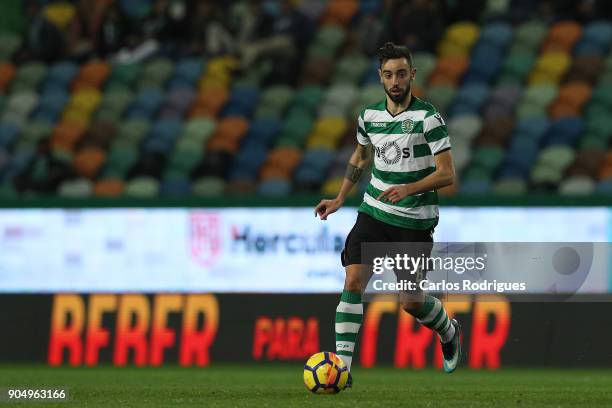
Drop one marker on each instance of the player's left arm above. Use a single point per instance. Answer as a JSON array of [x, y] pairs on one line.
[[443, 175]]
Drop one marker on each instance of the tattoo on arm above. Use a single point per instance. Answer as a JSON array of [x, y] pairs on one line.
[[365, 153], [353, 173]]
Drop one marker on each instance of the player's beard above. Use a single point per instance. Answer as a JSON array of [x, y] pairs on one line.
[[400, 97]]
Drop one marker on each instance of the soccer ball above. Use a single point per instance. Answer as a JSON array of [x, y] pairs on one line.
[[325, 373]]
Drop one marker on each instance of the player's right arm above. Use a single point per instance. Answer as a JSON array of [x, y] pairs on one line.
[[360, 161]]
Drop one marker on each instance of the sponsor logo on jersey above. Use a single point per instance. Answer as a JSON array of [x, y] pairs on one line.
[[389, 152], [378, 124]]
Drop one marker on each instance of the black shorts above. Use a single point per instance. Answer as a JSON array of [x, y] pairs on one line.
[[368, 229]]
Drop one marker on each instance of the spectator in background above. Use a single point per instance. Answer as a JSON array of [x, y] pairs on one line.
[[86, 26], [259, 35], [464, 10], [274, 30], [417, 24], [111, 35], [372, 28], [45, 172], [43, 40], [210, 33]]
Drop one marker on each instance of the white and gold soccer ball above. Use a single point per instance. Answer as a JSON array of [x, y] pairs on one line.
[[325, 373]]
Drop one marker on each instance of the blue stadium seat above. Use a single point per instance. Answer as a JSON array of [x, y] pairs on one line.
[[8, 134], [175, 187], [564, 131], [242, 101], [274, 187], [62, 72], [480, 186], [250, 159], [532, 127], [589, 48], [262, 132], [189, 69], [599, 32], [497, 33]]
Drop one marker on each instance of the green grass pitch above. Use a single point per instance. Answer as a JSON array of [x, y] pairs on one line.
[[281, 385]]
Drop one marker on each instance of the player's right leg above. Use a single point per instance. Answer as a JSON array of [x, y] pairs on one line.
[[349, 314]]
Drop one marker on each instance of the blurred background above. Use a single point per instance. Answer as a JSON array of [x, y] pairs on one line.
[[150, 98], [163, 157]]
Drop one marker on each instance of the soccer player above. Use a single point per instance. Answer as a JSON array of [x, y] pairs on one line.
[[407, 140]]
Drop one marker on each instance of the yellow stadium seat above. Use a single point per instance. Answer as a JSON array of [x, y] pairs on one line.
[[463, 33], [60, 14]]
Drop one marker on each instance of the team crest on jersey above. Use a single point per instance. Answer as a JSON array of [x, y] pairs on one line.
[[407, 125]]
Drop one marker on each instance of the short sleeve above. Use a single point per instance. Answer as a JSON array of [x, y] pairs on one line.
[[362, 136], [435, 133]]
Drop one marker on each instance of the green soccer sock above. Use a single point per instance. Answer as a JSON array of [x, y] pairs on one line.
[[433, 316], [349, 315]]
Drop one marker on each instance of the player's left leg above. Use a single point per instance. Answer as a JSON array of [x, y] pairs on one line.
[[427, 309], [430, 312]]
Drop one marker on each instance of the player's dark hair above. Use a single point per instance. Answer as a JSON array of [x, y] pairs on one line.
[[392, 51]]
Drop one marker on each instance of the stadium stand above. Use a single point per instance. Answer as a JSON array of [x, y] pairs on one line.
[[148, 98]]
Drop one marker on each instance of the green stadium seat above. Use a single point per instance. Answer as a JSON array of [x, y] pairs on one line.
[[123, 76], [542, 174], [594, 142], [517, 65], [309, 97], [425, 64], [465, 127], [330, 37], [143, 187], [552, 163], [7, 190], [209, 187], [559, 156], [488, 157], [34, 131], [510, 186], [155, 73], [275, 98], [531, 33], [368, 95], [184, 159], [342, 95], [9, 43], [133, 130], [351, 69], [119, 161], [441, 96], [22, 102], [476, 173], [79, 188], [578, 185], [527, 110], [541, 95], [199, 129], [28, 77]]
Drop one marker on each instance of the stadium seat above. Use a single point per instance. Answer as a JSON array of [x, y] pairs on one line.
[[209, 187], [78, 188], [274, 187], [108, 188], [7, 72], [142, 187], [510, 186], [88, 161]]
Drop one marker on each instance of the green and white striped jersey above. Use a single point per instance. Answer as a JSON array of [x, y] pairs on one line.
[[404, 149]]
